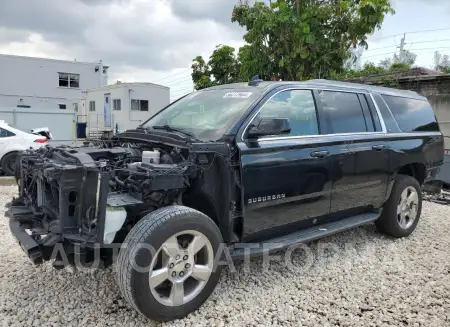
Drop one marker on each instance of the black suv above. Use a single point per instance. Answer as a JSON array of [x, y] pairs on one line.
[[268, 163]]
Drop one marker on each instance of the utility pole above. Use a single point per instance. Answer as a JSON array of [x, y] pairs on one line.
[[402, 49]]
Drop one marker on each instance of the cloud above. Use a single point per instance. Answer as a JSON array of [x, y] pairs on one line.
[[151, 35], [217, 10], [12, 35]]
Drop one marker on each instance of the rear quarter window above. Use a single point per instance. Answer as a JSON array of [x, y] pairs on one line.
[[412, 115], [6, 133]]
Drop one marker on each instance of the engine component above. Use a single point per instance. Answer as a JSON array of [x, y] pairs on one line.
[[150, 157], [166, 159]]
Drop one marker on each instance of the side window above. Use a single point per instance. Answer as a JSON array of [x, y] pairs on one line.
[[412, 114], [296, 105], [5, 133], [389, 121], [342, 112]]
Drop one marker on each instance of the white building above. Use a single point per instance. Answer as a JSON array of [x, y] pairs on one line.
[[120, 106], [49, 84]]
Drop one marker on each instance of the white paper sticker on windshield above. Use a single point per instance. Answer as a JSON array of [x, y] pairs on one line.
[[238, 95]]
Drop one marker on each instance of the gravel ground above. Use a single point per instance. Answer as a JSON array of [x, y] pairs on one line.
[[357, 278]]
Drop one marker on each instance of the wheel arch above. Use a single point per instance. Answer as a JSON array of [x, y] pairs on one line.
[[7, 153], [416, 170], [199, 200]]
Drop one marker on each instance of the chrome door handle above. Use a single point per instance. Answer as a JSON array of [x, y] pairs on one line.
[[319, 154], [379, 147]]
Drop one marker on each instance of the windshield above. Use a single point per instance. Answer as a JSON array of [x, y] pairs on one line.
[[205, 114]]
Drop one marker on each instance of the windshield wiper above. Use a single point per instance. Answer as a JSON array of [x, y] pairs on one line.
[[173, 129]]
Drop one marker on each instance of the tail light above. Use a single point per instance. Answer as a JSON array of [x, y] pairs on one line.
[[41, 141]]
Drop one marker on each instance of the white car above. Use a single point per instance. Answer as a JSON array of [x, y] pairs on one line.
[[12, 141]]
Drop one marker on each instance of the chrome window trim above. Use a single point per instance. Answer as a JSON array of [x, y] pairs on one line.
[[317, 136], [326, 136], [380, 117], [383, 126]]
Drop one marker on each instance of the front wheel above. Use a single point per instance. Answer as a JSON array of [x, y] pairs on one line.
[[402, 211], [166, 267]]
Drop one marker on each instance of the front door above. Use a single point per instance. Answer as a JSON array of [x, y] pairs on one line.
[[286, 179], [107, 110]]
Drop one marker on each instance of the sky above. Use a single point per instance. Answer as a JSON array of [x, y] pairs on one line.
[[156, 40]]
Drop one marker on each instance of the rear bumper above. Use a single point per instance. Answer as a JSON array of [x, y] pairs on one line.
[[26, 242]]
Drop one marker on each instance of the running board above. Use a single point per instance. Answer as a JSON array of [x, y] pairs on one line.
[[302, 236]]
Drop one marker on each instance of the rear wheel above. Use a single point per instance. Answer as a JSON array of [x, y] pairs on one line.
[[166, 267], [402, 211], [9, 163]]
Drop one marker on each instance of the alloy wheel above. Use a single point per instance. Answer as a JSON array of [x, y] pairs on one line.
[[181, 268], [407, 207]]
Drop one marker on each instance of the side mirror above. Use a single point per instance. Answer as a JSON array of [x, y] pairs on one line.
[[269, 126]]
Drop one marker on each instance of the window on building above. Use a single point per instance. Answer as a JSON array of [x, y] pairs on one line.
[[6, 133], [139, 105], [75, 107], [343, 112], [117, 105], [62, 106], [91, 105], [69, 80], [296, 105], [144, 105]]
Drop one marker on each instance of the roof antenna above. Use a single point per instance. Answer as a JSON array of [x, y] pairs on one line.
[[255, 81]]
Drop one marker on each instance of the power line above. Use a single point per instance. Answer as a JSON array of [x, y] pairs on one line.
[[430, 48], [412, 32], [390, 46], [184, 90], [173, 75], [178, 82], [381, 54], [389, 53], [181, 87], [415, 42], [442, 40], [183, 79]]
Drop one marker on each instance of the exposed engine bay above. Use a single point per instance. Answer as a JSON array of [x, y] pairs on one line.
[[94, 195]]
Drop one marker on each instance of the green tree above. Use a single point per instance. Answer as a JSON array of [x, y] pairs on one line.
[[224, 65], [385, 63], [409, 58], [441, 62], [369, 69], [222, 68], [201, 73], [300, 39]]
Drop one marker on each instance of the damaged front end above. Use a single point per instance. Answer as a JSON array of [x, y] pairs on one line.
[[90, 197]]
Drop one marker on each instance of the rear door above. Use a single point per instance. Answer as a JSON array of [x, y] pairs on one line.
[[363, 170], [286, 178]]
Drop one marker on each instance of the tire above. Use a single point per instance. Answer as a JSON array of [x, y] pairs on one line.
[[9, 163], [391, 222], [154, 230]]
